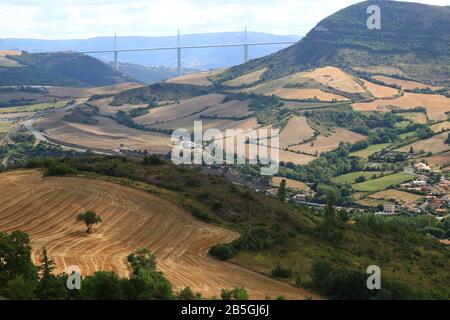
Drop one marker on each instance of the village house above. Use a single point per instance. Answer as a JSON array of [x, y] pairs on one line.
[[421, 167], [300, 198], [389, 208]]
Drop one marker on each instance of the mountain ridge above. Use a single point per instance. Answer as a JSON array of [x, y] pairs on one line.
[[204, 59], [343, 40], [66, 69]]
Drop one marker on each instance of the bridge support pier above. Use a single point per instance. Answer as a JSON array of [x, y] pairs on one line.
[[116, 60], [179, 53], [245, 46]]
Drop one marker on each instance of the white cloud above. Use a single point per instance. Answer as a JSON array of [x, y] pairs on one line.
[[63, 19]]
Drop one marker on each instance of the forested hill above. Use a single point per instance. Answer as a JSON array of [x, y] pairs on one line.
[[413, 39], [58, 69]]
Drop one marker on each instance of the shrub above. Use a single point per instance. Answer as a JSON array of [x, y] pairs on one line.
[[239, 293], [187, 294], [59, 169], [435, 232], [153, 160], [281, 271], [222, 251]]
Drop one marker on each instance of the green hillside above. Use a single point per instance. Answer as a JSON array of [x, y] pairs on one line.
[[413, 39], [59, 69], [320, 251]]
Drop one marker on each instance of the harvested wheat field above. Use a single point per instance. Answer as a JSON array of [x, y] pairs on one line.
[[199, 78], [417, 117], [379, 91], [379, 70], [246, 78], [4, 53], [335, 78], [303, 94], [439, 127], [290, 183], [436, 105], [404, 84], [46, 208], [106, 134], [403, 196], [297, 130], [435, 144], [328, 143], [183, 109]]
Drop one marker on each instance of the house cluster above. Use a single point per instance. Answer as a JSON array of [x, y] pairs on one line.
[[435, 195]]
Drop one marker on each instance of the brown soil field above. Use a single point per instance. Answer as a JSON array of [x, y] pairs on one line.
[[277, 84], [329, 143], [435, 144], [296, 131], [302, 94], [232, 108], [180, 110], [405, 84], [405, 197], [46, 208], [439, 160], [335, 78], [443, 126], [379, 91], [246, 78], [221, 124], [290, 183], [436, 105], [106, 134], [286, 156], [106, 110], [87, 92], [200, 78]]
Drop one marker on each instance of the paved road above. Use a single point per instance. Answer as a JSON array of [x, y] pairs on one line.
[[40, 137]]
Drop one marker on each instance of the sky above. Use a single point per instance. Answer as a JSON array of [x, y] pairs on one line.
[[80, 19]]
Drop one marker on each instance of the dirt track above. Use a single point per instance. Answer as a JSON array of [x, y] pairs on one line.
[[46, 208]]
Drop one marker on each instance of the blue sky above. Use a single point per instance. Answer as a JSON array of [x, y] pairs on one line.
[[64, 19]]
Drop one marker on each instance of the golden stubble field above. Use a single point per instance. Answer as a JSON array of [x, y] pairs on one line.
[[46, 208], [246, 78], [379, 91], [435, 105], [404, 84], [436, 144], [199, 78], [296, 131], [328, 143]]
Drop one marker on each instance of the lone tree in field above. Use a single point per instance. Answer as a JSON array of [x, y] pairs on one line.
[[89, 218]]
